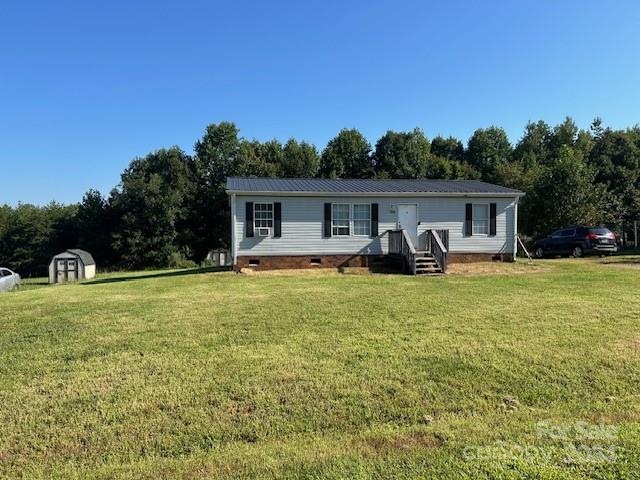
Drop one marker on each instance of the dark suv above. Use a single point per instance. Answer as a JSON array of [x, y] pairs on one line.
[[577, 241]]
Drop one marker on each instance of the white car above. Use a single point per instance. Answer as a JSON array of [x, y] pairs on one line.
[[8, 280]]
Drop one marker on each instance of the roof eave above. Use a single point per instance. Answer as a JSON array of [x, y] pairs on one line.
[[377, 194]]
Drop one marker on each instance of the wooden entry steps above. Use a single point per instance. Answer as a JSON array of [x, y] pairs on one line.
[[426, 264], [430, 261]]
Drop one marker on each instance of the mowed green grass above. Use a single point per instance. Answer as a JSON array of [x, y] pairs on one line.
[[323, 375]]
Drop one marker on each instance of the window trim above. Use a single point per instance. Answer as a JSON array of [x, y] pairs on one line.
[[353, 220], [256, 227], [333, 232], [488, 220]]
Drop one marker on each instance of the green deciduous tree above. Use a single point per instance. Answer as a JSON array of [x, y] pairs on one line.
[[615, 157], [565, 194], [96, 224], [299, 160], [153, 204], [488, 149], [216, 154], [534, 147], [31, 235], [251, 162], [402, 155], [450, 148], [216, 158], [347, 155]]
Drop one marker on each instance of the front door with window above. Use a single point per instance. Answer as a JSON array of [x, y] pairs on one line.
[[408, 220]]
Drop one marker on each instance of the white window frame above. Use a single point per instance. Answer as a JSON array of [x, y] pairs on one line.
[[334, 228], [353, 220], [473, 220], [255, 219]]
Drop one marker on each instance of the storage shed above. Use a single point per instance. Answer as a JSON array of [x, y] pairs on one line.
[[72, 265]]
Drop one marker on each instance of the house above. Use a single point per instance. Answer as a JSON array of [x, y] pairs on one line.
[[71, 265], [424, 224]]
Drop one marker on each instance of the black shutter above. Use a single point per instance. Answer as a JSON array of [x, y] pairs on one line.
[[327, 219], [468, 220], [248, 219], [492, 219], [374, 219], [277, 219]]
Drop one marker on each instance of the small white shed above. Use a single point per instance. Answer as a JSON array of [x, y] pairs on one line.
[[72, 265]]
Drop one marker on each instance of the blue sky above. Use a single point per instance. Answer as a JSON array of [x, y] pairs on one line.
[[87, 86]]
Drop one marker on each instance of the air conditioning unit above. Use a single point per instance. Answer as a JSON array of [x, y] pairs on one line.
[[263, 232]]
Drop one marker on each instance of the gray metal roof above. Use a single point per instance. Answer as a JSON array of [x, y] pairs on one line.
[[321, 185], [86, 257]]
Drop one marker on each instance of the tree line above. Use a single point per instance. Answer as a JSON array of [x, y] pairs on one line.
[[170, 207]]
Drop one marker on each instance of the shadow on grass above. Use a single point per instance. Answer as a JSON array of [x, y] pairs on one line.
[[622, 261], [627, 252], [176, 273]]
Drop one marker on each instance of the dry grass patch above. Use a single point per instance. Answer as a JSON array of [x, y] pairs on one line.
[[627, 346], [289, 272], [473, 268], [498, 268]]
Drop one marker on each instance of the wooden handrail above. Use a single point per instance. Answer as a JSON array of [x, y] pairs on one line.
[[400, 244], [407, 239], [437, 247]]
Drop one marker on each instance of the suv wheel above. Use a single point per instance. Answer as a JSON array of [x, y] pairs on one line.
[[539, 253], [577, 251]]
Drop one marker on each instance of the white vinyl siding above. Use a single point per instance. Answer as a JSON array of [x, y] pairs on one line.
[[303, 220]]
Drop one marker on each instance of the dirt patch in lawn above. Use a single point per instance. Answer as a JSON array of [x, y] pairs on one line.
[[497, 268]]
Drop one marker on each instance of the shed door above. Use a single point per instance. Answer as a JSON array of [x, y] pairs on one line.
[[61, 271], [72, 270]]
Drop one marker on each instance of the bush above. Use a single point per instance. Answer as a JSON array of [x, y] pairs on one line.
[[178, 260]]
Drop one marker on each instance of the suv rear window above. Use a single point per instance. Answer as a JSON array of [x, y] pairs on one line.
[[600, 231]]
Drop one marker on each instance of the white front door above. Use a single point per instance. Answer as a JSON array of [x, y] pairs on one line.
[[408, 220]]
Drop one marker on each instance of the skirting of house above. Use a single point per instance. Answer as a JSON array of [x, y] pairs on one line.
[[279, 262], [306, 261]]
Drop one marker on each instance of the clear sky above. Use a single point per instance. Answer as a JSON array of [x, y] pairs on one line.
[[86, 86]]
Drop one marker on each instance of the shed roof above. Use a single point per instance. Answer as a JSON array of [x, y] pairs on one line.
[[364, 186], [85, 256]]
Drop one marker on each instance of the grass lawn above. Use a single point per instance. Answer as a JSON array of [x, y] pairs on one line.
[[520, 372]]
